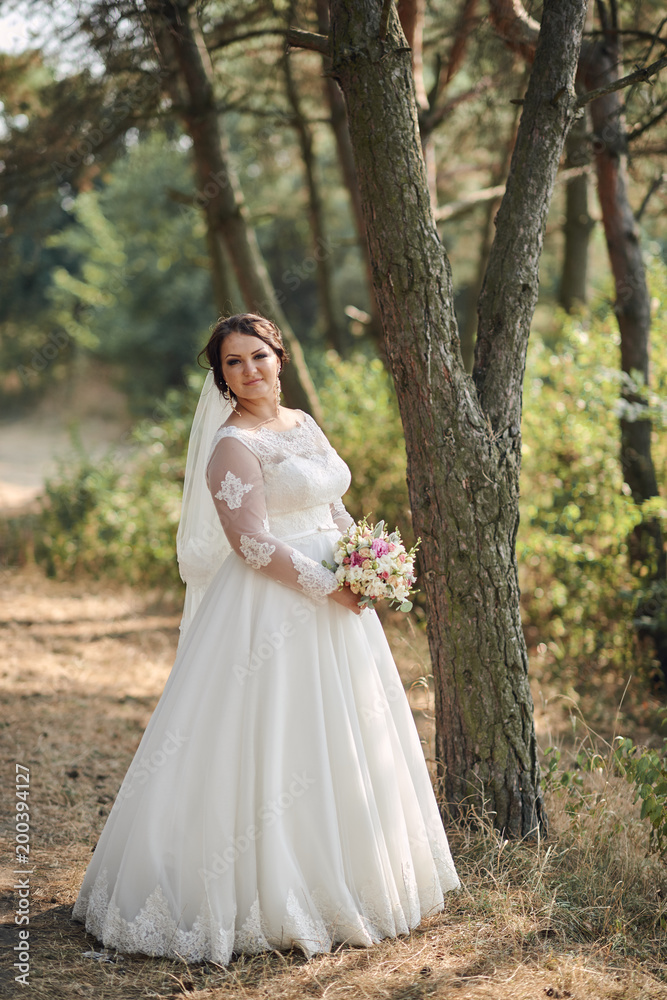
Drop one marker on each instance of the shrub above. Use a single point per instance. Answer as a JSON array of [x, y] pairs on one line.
[[364, 426], [579, 591], [117, 516]]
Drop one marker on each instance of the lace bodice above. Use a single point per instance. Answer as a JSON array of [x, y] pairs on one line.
[[270, 487]]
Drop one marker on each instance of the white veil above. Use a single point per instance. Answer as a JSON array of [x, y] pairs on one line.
[[201, 544]]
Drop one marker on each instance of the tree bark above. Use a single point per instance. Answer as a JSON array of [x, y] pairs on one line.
[[469, 327], [341, 132], [333, 330], [223, 291], [578, 222], [632, 306], [463, 446], [182, 50]]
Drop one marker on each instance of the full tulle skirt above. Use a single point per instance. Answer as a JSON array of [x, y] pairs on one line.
[[279, 796]]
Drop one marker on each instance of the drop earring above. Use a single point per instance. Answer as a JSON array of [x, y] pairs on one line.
[[278, 391]]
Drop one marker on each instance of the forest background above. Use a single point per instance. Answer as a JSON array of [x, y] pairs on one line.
[[107, 281]]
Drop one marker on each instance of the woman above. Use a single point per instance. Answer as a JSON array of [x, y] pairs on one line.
[[279, 796]]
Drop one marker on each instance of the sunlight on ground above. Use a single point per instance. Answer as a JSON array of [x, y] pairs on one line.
[[82, 669]]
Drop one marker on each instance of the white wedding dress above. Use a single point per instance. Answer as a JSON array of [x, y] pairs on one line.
[[279, 796]]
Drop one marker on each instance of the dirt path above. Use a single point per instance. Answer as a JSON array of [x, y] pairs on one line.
[[82, 669]]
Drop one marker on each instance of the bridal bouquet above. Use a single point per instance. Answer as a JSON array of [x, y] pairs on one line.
[[374, 563]]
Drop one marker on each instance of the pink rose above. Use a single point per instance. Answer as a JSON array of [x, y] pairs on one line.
[[356, 559], [380, 547]]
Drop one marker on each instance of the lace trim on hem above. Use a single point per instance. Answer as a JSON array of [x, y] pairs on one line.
[[313, 929]]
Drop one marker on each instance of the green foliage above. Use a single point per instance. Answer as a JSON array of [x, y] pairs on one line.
[[364, 426], [136, 292], [578, 588], [644, 769], [117, 517]]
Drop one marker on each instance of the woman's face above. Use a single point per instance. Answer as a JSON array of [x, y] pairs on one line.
[[249, 366]]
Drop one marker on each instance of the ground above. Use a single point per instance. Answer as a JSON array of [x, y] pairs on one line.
[[83, 665]]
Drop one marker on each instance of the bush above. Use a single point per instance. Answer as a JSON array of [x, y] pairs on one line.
[[364, 426], [118, 517], [579, 591]]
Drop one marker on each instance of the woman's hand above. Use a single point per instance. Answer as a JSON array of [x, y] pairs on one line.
[[348, 599]]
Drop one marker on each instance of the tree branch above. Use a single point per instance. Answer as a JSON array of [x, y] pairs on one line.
[[295, 37], [644, 36], [657, 183], [384, 18], [468, 201], [308, 40], [515, 26], [431, 119], [639, 76], [640, 129], [510, 289]]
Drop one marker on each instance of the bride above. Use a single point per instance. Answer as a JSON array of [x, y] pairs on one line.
[[279, 796]]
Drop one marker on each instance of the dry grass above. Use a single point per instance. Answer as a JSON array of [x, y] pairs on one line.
[[579, 915]]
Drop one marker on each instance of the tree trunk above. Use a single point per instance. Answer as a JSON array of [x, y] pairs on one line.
[[182, 50], [600, 65], [469, 327], [632, 307], [221, 279], [578, 223], [463, 449], [411, 15], [334, 331], [633, 311], [341, 132]]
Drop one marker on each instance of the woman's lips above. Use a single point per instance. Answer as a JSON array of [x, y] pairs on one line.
[[254, 382]]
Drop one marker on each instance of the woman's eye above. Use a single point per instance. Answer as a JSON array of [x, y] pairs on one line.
[[236, 361]]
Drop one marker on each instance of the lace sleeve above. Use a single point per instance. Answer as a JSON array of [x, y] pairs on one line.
[[340, 515], [234, 477]]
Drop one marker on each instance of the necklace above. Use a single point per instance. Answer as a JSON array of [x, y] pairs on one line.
[[263, 422]]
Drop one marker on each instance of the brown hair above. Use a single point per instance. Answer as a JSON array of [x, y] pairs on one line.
[[250, 324]]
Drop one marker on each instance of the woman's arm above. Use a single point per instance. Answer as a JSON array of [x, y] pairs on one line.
[[234, 478], [340, 515]]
